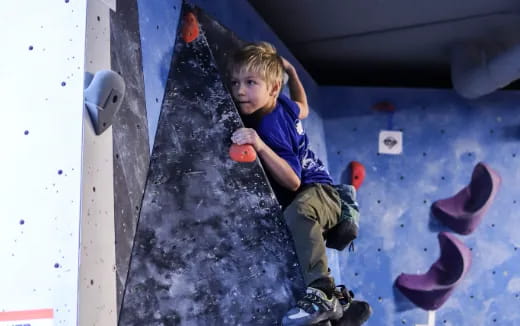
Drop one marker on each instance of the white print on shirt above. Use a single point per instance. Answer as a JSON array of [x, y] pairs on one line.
[[309, 163], [299, 127]]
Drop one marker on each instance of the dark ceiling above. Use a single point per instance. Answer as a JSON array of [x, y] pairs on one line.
[[401, 43]]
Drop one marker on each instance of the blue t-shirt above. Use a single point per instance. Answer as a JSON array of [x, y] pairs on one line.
[[283, 132]]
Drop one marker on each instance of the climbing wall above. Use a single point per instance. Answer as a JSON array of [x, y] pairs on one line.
[[444, 138], [211, 247], [131, 153]]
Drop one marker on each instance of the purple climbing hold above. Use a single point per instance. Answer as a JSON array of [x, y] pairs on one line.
[[430, 291], [463, 212]]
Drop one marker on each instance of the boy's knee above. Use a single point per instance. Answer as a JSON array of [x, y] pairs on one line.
[[298, 211]]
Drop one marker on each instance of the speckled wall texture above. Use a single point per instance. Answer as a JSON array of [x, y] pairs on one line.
[[444, 137], [130, 146], [211, 247]]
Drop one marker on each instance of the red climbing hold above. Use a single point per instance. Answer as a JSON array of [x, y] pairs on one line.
[[384, 107], [190, 27], [242, 153], [357, 174]]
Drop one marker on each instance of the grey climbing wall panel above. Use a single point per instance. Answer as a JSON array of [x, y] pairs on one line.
[[130, 130], [211, 246]]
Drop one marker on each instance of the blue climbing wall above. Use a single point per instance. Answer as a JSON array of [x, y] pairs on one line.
[[444, 137]]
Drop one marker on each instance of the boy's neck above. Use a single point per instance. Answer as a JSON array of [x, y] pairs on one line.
[[269, 107], [254, 119]]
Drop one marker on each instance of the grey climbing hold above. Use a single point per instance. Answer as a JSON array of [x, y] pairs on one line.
[[103, 97]]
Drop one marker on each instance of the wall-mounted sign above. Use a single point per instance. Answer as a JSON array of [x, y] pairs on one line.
[[390, 142]]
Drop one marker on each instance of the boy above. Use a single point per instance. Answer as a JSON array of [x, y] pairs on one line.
[[299, 179]]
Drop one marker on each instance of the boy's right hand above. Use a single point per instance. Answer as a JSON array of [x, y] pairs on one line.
[[281, 171], [248, 136]]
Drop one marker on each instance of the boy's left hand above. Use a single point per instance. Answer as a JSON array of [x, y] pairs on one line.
[[248, 136]]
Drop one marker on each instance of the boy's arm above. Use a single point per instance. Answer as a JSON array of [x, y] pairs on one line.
[[279, 169], [296, 89]]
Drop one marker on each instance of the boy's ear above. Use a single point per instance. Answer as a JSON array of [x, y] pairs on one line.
[[275, 88]]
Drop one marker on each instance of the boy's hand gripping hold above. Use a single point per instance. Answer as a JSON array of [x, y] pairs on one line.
[[248, 136], [243, 147]]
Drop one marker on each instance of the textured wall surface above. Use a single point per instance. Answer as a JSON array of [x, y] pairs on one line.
[[211, 247], [444, 137], [131, 147]]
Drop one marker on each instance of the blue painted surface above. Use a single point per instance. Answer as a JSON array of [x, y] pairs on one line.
[[158, 22], [444, 137]]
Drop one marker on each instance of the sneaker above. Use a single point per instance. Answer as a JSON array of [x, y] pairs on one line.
[[355, 312], [344, 296], [314, 308]]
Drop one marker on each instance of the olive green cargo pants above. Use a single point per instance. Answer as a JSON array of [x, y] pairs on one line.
[[315, 209]]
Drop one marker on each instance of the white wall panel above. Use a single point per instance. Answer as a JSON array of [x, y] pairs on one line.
[[41, 86]]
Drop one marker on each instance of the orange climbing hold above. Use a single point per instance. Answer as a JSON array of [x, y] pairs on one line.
[[242, 153], [357, 174], [190, 27]]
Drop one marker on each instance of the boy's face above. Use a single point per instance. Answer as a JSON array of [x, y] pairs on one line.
[[250, 91]]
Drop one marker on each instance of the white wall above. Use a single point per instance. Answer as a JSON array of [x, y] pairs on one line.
[[57, 187], [41, 87]]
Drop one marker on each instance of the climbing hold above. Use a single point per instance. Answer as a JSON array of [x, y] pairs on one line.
[[103, 98], [242, 153], [463, 211], [384, 106], [357, 174], [190, 27], [430, 291]]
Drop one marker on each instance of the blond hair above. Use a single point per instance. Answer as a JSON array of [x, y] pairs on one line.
[[260, 58]]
